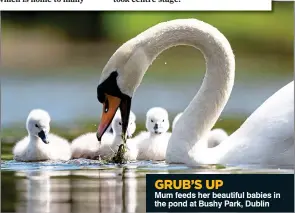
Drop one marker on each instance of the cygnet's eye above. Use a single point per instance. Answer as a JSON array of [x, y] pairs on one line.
[[163, 120], [36, 125], [152, 121], [120, 123]]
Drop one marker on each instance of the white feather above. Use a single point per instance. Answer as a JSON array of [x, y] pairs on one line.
[[152, 145], [32, 148], [87, 145], [266, 137]]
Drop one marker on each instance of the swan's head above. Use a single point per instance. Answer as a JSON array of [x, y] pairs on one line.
[[117, 124], [38, 124], [119, 79], [176, 119], [157, 121]]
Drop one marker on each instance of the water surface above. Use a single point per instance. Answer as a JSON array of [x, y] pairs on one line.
[[88, 186], [70, 99]]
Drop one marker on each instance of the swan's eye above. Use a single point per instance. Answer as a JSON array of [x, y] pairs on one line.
[[120, 123], [36, 125], [152, 121], [106, 106], [163, 120]]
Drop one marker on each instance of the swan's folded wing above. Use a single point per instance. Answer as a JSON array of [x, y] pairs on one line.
[[60, 147], [132, 149], [85, 145], [20, 148]]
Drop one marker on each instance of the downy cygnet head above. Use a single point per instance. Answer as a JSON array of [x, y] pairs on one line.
[[38, 124], [157, 120], [117, 124]]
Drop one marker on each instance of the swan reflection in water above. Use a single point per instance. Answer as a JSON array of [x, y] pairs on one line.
[[43, 191], [97, 191]]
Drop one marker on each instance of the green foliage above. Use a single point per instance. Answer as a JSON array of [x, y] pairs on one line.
[[8, 190], [259, 32], [6, 151], [250, 30]]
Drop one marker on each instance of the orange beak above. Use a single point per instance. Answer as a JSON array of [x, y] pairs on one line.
[[110, 107]]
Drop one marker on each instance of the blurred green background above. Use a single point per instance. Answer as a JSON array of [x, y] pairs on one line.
[[53, 60]]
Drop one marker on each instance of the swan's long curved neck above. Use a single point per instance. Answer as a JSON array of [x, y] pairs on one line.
[[207, 105]]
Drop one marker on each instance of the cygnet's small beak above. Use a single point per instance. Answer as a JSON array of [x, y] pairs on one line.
[[42, 135], [156, 127]]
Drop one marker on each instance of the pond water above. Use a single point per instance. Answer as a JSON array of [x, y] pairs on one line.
[[88, 186], [70, 99]]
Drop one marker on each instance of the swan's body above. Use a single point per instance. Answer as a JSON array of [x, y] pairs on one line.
[[87, 146], [265, 138], [40, 145], [215, 137], [152, 145]]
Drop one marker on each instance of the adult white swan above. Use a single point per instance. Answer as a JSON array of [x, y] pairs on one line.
[[265, 138]]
